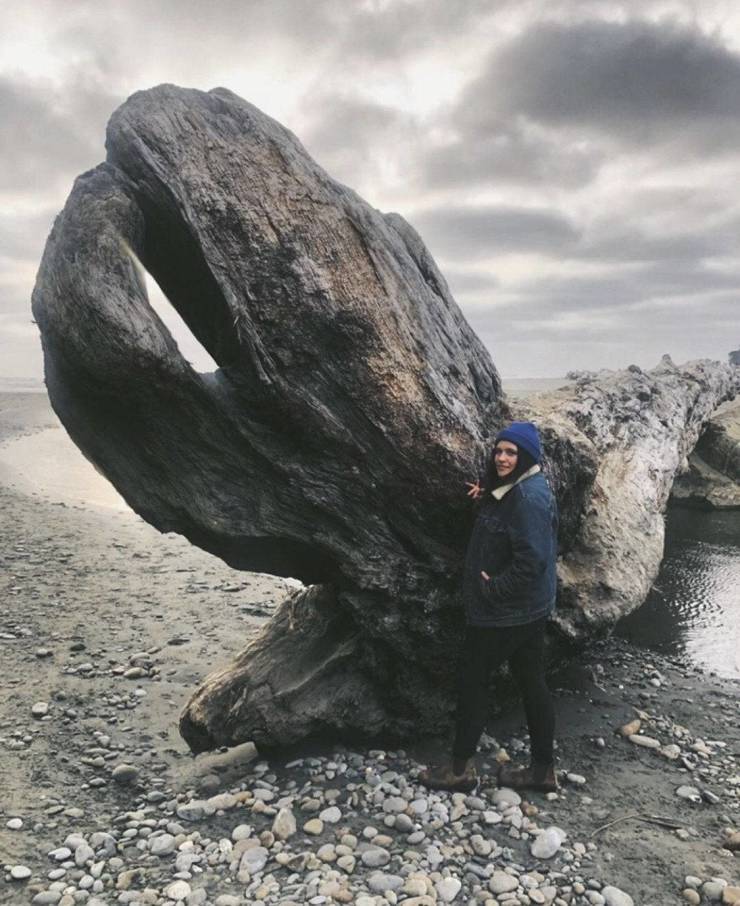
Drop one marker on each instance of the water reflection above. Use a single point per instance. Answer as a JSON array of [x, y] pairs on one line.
[[693, 611]]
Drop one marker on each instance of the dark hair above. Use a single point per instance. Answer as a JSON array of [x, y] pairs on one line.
[[524, 462]]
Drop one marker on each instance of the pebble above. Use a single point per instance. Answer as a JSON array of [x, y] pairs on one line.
[[255, 859], [61, 854], [40, 709], [731, 895], [448, 889], [691, 896], [124, 774], [284, 825], [613, 896], [20, 872], [546, 844], [380, 882], [163, 845], [14, 824], [712, 890], [502, 882], [178, 890], [646, 742], [376, 857], [505, 798], [331, 815], [689, 793], [732, 842], [313, 826]]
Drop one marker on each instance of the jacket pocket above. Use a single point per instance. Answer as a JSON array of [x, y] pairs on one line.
[[495, 546]]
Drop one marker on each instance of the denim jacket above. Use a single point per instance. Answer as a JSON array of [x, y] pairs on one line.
[[514, 540]]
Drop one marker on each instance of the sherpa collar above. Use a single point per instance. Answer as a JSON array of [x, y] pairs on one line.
[[500, 492]]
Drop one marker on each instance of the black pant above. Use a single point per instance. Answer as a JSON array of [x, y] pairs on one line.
[[486, 649]]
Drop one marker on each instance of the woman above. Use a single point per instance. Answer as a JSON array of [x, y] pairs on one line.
[[509, 593]]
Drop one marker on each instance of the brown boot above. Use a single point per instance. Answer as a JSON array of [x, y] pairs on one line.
[[535, 777], [444, 778]]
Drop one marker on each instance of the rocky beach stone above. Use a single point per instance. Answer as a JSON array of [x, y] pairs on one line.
[[40, 709], [163, 845], [613, 896], [732, 841], [546, 844], [448, 889], [647, 742], [255, 859], [240, 832], [314, 826], [505, 798], [375, 857], [690, 793], [61, 854], [284, 825], [20, 872], [671, 751], [193, 810], [331, 815], [502, 882], [712, 889], [124, 774], [177, 890], [380, 882]]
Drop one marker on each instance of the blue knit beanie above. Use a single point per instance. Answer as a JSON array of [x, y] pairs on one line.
[[524, 435]]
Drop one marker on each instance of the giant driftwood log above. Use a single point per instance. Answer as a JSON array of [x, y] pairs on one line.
[[351, 404]]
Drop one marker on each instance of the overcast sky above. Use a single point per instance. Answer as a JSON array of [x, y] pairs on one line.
[[573, 166]]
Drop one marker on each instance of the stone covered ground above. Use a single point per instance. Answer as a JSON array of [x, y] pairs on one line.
[[106, 626]]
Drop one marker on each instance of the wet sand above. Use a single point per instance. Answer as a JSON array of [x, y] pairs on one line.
[[91, 593]]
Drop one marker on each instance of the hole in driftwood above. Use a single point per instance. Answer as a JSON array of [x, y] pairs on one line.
[[191, 349]]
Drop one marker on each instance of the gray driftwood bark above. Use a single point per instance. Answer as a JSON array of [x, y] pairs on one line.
[[351, 404]]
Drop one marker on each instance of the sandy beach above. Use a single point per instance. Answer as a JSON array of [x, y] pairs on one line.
[[106, 628]]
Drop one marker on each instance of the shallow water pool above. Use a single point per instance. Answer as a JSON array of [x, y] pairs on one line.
[[693, 610]]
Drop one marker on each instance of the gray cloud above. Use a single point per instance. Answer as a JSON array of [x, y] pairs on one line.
[[625, 244], [620, 288], [514, 153], [385, 34], [636, 81], [22, 238], [53, 134], [349, 135], [613, 294], [471, 282], [540, 340], [559, 100], [482, 232]]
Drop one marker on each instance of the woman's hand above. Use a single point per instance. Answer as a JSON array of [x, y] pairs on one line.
[[475, 490], [485, 576]]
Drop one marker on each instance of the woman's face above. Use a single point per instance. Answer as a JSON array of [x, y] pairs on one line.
[[504, 458]]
